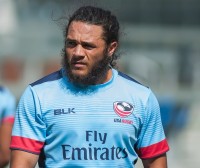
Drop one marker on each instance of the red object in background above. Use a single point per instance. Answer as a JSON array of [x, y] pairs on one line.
[[51, 66], [11, 69]]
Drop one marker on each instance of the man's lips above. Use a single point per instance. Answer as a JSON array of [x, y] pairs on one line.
[[78, 64]]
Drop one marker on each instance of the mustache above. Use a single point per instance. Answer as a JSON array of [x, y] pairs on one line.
[[77, 59], [78, 62]]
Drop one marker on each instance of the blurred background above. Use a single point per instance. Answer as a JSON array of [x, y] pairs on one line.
[[160, 47]]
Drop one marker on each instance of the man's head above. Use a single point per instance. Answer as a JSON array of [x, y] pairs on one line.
[[91, 40]]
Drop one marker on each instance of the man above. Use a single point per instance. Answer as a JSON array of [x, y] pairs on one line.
[[88, 114], [7, 111]]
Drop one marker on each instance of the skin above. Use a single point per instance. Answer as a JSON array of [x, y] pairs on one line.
[[157, 162], [21, 159], [5, 134], [85, 48]]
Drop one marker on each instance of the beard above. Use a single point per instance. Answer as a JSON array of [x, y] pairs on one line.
[[97, 73]]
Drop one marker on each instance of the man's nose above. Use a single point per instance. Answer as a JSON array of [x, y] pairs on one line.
[[78, 51]]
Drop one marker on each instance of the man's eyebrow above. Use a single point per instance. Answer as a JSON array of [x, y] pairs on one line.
[[83, 42], [69, 39], [88, 43]]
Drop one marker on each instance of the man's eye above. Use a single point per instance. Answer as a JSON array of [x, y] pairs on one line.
[[70, 44], [88, 46]]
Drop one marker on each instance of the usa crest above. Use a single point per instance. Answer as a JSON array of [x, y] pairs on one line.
[[123, 109]]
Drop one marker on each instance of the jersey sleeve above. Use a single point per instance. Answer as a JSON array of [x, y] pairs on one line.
[[152, 141], [9, 107], [29, 129]]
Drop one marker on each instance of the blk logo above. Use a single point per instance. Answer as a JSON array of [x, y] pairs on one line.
[[64, 111], [123, 109]]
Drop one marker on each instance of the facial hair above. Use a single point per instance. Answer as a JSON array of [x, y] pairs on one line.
[[97, 73]]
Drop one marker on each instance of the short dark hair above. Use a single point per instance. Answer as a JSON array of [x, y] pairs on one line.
[[98, 16]]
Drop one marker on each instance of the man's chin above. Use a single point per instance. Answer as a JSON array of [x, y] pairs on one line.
[[79, 73], [78, 79], [80, 76]]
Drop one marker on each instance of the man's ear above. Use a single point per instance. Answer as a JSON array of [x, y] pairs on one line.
[[112, 48]]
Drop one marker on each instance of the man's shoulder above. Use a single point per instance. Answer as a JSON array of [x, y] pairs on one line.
[[2, 88], [5, 91], [132, 81], [133, 86], [51, 77]]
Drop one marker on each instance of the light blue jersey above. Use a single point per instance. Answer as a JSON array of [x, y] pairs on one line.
[[7, 106], [106, 125]]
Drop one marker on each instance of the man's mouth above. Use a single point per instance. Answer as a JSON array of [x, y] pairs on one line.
[[78, 64]]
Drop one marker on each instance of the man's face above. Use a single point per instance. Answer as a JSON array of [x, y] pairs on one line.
[[86, 58]]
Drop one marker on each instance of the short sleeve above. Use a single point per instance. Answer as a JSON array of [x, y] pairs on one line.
[[8, 107], [152, 141], [29, 129]]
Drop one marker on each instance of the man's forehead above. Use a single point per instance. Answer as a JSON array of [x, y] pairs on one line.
[[86, 30]]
